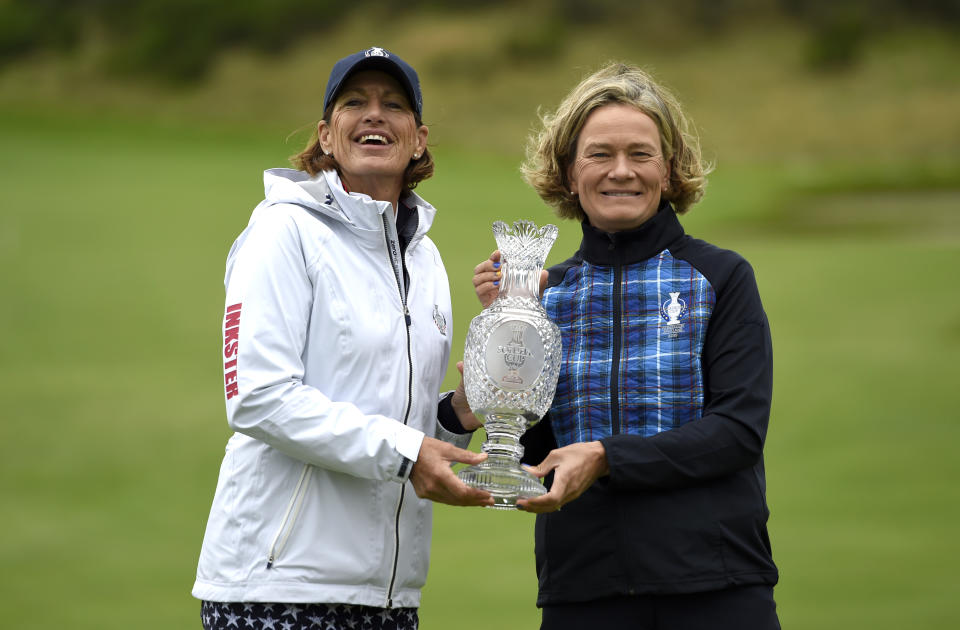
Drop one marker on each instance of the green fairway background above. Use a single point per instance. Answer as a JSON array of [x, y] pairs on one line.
[[121, 199]]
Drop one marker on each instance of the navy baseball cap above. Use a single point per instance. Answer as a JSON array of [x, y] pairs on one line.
[[375, 59]]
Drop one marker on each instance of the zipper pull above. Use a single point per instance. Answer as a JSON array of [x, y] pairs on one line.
[[406, 315], [270, 562]]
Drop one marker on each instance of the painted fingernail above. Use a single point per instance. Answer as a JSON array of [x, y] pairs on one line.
[[496, 283], [496, 265]]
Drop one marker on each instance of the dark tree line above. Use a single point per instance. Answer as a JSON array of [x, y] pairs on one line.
[[172, 39], [178, 40]]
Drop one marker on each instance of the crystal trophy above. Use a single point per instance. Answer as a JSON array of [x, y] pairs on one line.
[[511, 364]]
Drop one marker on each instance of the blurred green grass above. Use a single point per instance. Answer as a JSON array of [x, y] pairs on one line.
[[121, 203]]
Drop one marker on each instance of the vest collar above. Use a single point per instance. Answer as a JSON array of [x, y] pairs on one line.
[[631, 246]]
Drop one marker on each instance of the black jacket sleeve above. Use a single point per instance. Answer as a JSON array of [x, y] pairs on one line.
[[737, 362], [537, 442]]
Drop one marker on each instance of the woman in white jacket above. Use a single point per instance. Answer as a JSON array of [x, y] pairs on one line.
[[336, 339]]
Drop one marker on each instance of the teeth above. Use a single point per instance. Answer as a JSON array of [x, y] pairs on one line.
[[373, 138], [621, 194]]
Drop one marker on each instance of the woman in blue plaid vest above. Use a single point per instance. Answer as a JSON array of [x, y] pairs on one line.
[[653, 446]]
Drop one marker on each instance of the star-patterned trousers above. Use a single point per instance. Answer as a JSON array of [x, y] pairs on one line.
[[259, 616]]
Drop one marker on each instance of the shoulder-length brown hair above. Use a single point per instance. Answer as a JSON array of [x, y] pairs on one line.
[[550, 151], [313, 160]]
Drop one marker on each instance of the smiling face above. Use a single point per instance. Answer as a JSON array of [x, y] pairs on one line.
[[618, 170], [373, 134]]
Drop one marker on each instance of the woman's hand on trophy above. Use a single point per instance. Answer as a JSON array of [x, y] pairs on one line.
[[486, 279], [433, 478], [462, 408], [575, 468]]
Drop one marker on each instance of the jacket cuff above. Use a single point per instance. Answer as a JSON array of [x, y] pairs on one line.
[[448, 417], [408, 447]]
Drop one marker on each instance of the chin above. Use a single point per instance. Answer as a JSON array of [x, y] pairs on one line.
[[376, 165]]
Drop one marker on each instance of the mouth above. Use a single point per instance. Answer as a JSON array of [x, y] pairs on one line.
[[621, 193], [374, 139]]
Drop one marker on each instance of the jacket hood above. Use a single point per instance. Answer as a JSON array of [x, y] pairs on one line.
[[324, 194]]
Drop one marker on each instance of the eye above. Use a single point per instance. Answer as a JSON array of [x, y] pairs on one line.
[[598, 155], [352, 102], [394, 105]]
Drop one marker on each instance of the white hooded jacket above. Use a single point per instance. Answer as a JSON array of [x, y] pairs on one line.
[[332, 369]]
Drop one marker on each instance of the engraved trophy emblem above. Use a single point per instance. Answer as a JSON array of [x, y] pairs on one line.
[[511, 364]]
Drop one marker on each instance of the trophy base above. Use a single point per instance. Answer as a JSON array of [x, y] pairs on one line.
[[503, 478]]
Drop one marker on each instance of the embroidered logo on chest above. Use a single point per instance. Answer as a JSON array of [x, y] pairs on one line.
[[439, 320], [673, 311]]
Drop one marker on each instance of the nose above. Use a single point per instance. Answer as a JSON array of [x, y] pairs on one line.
[[373, 111], [621, 168]]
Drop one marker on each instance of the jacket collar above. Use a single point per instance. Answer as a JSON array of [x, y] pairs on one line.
[[368, 212], [623, 248], [324, 194]]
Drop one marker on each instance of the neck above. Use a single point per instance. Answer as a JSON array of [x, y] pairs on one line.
[[379, 188]]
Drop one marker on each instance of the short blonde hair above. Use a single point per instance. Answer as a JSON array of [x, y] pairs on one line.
[[313, 160], [549, 153]]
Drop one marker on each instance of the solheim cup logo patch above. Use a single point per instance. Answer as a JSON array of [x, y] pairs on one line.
[[673, 310], [439, 320], [376, 52]]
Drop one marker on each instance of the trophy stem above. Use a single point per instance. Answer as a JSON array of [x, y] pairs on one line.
[[501, 474], [503, 439]]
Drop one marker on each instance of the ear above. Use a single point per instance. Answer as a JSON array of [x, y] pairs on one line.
[[665, 183], [422, 133], [323, 135], [572, 180]]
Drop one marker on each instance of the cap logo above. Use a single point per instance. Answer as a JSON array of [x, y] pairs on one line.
[[376, 52]]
